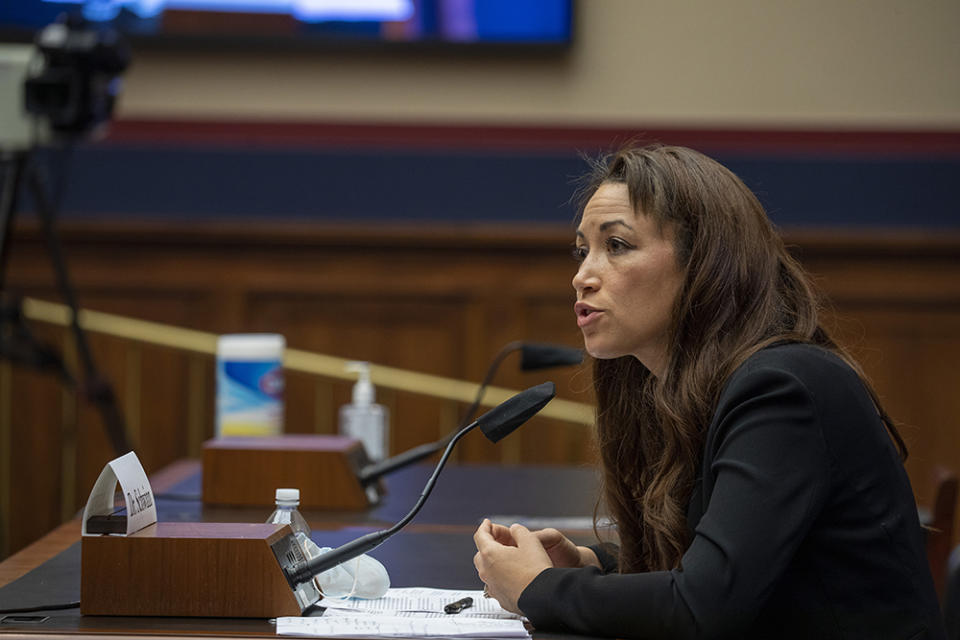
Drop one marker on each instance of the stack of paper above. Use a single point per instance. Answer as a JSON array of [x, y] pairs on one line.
[[408, 613]]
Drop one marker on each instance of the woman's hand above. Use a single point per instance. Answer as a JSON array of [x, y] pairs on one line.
[[562, 552], [507, 560]]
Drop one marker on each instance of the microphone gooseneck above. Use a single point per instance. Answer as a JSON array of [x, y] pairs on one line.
[[372, 473], [533, 356], [495, 424]]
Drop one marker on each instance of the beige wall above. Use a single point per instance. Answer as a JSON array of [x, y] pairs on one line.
[[859, 63]]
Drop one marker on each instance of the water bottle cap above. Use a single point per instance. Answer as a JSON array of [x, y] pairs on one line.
[[288, 495]]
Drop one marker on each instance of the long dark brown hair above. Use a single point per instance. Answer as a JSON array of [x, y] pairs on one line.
[[742, 291]]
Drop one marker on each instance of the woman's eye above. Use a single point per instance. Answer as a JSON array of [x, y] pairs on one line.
[[579, 253], [617, 245]]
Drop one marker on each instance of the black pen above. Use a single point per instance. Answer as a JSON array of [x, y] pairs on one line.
[[458, 606]]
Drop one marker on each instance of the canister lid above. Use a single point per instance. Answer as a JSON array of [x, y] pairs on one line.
[[251, 346]]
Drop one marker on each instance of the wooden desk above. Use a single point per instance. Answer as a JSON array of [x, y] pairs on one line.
[[435, 550]]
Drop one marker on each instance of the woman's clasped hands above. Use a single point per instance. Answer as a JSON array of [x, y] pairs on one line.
[[509, 558]]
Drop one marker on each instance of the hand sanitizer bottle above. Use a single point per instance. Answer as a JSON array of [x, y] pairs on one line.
[[363, 419]]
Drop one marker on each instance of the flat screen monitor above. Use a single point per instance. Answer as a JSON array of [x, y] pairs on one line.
[[496, 23]]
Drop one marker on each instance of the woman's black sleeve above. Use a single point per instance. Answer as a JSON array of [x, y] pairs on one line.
[[606, 553], [771, 469]]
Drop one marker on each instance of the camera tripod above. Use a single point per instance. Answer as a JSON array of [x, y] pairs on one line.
[[20, 171]]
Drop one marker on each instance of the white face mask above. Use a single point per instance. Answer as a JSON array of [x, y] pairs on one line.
[[361, 577]]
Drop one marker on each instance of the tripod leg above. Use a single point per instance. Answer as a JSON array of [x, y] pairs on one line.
[[12, 166], [98, 388]]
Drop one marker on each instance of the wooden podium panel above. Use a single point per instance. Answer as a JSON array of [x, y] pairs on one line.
[[246, 471], [187, 569]]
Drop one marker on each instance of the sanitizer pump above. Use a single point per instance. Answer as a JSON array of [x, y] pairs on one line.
[[363, 419]]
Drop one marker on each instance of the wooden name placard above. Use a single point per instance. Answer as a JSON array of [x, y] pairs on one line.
[[192, 569], [246, 471]]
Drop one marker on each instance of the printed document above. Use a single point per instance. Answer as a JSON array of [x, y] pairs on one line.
[[411, 613]]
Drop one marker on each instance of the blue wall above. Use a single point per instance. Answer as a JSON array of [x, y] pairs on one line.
[[211, 182]]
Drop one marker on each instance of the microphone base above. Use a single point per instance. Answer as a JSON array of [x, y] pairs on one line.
[[224, 570], [246, 471]]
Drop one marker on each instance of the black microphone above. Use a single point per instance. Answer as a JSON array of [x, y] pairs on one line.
[[540, 355], [496, 424], [533, 356]]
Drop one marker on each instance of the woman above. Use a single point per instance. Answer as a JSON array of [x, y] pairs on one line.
[[756, 484]]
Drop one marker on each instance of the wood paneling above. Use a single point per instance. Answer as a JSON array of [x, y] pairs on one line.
[[437, 300]]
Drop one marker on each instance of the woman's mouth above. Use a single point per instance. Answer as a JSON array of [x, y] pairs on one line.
[[585, 314]]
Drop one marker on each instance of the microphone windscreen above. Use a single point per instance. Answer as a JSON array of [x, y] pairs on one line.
[[540, 355], [500, 421]]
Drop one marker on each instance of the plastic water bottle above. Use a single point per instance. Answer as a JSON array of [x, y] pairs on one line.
[[363, 577], [287, 501]]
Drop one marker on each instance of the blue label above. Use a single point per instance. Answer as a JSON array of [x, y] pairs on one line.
[[258, 378], [249, 397]]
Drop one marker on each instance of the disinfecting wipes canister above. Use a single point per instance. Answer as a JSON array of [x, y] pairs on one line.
[[250, 384]]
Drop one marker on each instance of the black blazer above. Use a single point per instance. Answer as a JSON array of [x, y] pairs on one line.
[[803, 525]]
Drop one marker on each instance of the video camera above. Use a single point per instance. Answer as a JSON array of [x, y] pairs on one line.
[[62, 87]]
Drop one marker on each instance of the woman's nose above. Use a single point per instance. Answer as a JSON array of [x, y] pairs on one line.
[[586, 277]]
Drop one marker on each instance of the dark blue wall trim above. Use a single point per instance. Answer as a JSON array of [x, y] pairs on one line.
[[213, 183]]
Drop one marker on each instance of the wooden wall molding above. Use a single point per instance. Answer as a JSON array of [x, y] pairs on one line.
[[482, 135]]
